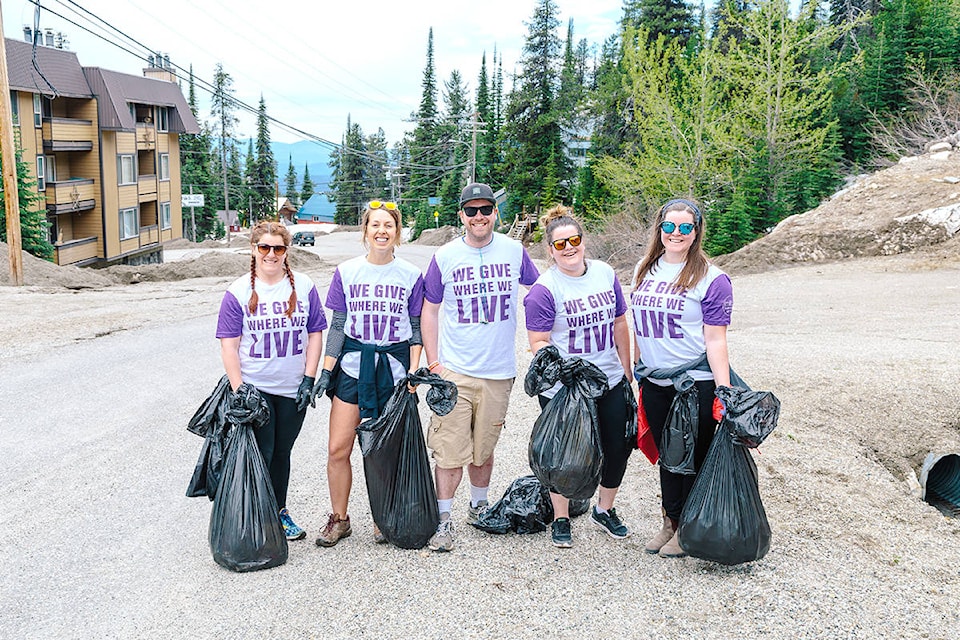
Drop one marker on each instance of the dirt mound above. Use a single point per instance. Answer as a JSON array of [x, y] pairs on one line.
[[40, 273], [875, 215], [438, 237]]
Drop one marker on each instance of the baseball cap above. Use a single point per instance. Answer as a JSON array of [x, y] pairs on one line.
[[477, 191]]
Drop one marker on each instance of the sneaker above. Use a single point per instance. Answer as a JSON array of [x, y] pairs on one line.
[[378, 536], [442, 540], [473, 513], [334, 530], [560, 533], [610, 522], [290, 528]]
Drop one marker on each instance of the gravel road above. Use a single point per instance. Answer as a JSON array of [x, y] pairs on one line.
[[100, 542]]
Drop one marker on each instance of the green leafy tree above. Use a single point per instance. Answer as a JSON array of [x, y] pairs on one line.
[[33, 217]]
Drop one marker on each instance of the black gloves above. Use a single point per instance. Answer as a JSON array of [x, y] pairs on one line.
[[320, 387], [303, 394]]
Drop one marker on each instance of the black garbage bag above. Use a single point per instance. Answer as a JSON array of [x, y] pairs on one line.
[[403, 500], [750, 416], [633, 442], [245, 531], [724, 520], [679, 437], [524, 508], [564, 450], [212, 421]]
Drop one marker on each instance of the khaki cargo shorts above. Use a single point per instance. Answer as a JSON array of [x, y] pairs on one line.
[[469, 433]]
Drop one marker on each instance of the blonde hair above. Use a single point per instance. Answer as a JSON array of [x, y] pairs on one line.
[[270, 228], [365, 220], [696, 265]]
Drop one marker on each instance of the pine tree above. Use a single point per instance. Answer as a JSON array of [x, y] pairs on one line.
[[222, 110], [348, 170], [264, 185], [306, 189], [672, 18], [291, 183], [33, 217], [425, 147], [486, 140], [197, 176]]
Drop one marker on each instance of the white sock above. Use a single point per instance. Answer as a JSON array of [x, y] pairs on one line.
[[445, 505], [599, 510], [477, 494]]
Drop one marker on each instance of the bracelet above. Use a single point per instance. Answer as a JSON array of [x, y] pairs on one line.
[[435, 363]]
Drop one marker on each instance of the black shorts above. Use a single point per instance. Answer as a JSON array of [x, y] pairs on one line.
[[347, 389]]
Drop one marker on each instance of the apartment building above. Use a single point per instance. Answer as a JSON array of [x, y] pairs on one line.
[[104, 149]]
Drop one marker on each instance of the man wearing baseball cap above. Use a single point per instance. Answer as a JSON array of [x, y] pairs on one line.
[[469, 326]]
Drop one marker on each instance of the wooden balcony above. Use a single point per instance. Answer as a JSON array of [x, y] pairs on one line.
[[149, 235], [146, 137], [147, 188], [70, 196], [72, 251], [68, 134]]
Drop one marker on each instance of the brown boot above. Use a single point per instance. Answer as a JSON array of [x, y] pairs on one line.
[[335, 529], [663, 537], [672, 549]]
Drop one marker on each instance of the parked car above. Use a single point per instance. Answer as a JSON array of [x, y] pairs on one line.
[[303, 237]]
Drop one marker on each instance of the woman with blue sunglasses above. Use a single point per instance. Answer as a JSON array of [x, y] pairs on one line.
[[681, 307]]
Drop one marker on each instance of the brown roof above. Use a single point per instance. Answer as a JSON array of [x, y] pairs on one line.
[[115, 90], [61, 68]]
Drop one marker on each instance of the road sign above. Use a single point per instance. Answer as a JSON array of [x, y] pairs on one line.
[[191, 199]]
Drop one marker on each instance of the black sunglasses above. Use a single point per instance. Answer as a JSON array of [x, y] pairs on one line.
[[486, 210]]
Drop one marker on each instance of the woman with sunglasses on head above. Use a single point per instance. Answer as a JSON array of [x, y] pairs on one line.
[[374, 340], [577, 305], [271, 336], [681, 307]]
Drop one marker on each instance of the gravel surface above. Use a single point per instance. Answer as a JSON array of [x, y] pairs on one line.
[[99, 542]]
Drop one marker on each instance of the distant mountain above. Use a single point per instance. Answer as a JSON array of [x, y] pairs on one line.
[[312, 154]]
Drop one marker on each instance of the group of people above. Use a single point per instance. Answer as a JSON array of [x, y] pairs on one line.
[[461, 316]]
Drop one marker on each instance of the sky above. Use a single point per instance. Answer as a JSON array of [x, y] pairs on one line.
[[313, 65]]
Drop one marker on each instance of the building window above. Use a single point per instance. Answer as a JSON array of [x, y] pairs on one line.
[[164, 166], [51, 169], [41, 173], [128, 223], [164, 215], [37, 111], [163, 119], [126, 169], [15, 108]]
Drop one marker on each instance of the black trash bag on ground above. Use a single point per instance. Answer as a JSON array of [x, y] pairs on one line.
[[245, 531], [403, 500], [524, 508], [724, 520], [750, 416], [632, 409], [564, 450], [679, 437]]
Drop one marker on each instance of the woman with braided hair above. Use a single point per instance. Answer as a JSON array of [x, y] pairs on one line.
[[271, 336]]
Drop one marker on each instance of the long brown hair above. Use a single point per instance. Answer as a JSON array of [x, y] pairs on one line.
[[696, 265], [269, 228], [558, 216]]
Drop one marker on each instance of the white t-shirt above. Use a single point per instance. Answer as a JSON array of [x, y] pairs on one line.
[[579, 312], [273, 347], [378, 300], [669, 323], [477, 289]]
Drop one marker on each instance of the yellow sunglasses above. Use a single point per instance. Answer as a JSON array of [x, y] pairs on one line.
[[377, 204]]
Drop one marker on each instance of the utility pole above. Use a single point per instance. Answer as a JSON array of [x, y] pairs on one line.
[[475, 124], [9, 152]]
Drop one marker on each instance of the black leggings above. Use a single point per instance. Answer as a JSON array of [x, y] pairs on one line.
[[675, 487], [275, 440], [612, 422]]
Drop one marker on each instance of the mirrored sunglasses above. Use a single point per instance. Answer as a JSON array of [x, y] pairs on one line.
[[377, 204], [686, 228], [486, 210], [278, 249], [574, 241]]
